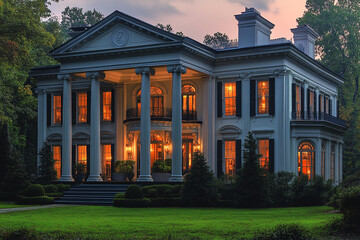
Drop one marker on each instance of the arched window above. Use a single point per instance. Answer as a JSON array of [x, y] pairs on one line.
[[156, 101], [323, 154], [306, 159], [332, 162], [188, 102]]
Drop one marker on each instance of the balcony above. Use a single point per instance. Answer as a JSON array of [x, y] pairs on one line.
[[317, 116], [160, 113]]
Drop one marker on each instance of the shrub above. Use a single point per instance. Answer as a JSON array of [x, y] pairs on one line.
[[134, 192], [132, 203], [120, 195], [63, 187], [42, 200], [162, 191], [199, 185], [125, 167], [225, 189], [285, 231], [7, 196], [50, 188], [349, 199], [34, 190], [160, 166], [19, 234], [250, 189], [280, 189], [46, 171], [54, 195]]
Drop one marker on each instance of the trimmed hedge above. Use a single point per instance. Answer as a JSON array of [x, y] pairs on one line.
[[162, 191], [134, 192], [120, 195], [54, 195], [285, 231], [132, 203], [50, 188], [42, 200], [63, 187], [34, 190]]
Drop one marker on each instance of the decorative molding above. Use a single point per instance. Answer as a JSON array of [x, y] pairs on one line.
[[280, 72], [64, 77], [95, 75], [246, 75], [145, 71], [120, 37], [40, 91], [229, 130], [178, 68]]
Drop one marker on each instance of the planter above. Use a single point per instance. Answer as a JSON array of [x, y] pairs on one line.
[[118, 177], [161, 177]]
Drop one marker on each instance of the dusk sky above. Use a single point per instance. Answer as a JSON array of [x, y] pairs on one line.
[[196, 18]]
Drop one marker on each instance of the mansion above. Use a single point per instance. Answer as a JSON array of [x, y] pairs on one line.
[[127, 90]]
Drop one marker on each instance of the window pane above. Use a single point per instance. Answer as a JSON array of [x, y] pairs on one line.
[[82, 97], [106, 163], [263, 97], [57, 109], [107, 106], [57, 160], [263, 146], [230, 99], [82, 154], [230, 157], [306, 155]]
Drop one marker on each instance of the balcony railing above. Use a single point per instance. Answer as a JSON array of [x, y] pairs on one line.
[[317, 116], [160, 113]]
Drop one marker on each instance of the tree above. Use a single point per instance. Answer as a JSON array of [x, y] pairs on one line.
[[338, 24], [47, 172], [199, 185], [250, 185], [169, 28], [217, 41]]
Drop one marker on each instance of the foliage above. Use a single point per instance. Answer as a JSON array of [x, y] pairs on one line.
[[52, 188], [47, 172], [199, 185], [280, 189], [250, 185], [34, 190], [42, 200], [120, 195], [20, 234], [63, 187], [160, 166], [225, 188], [134, 192], [349, 199], [80, 169], [125, 167], [162, 191], [217, 41], [132, 203], [169, 28], [285, 231]]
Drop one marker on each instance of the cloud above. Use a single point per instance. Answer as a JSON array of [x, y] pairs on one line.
[[258, 4]]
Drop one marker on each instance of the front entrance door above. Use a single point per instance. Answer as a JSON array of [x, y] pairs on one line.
[[187, 150]]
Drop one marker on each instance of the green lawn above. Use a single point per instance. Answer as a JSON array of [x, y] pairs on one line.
[[12, 205], [155, 223]]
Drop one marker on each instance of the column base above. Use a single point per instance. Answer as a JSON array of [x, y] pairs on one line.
[[68, 178], [176, 178], [94, 178], [145, 178]]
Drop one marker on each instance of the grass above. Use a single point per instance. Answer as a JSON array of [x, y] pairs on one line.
[[157, 223], [12, 205]]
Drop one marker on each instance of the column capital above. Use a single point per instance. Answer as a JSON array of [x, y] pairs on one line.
[[178, 68], [145, 71], [280, 72], [245, 75], [64, 77], [96, 75], [40, 91]]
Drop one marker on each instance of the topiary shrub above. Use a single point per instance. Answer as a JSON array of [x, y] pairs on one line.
[[63, 187], [285, 231], [50, 188], [41, 200], [34, 190], [134, 192], [199, 185], [349, 201], [162, 191]]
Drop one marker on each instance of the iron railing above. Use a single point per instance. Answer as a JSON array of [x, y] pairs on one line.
[[160, 112], [317, 116]]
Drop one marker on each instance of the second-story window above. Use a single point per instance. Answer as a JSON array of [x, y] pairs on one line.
[[156, 102], [188, 102], [327, 105], [230, 99], [311, 101], [107, 106], [263, 97], [57, 109], [82, 100]]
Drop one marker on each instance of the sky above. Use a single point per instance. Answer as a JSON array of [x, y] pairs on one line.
[[196, 18]]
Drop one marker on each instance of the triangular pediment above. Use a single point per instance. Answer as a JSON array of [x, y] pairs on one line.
[[116, 31]]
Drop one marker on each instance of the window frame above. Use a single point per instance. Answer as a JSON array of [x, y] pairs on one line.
[[53, 95], [78, 108], [266, 96], [58, 174], [225, 165], [224, 99], [312, 163], [102, 105], [267, 165]]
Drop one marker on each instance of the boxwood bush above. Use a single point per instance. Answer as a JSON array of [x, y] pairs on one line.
[[51, 188], [349, 201], [162, 191], [134, 192], [41, 200], [34, 190]]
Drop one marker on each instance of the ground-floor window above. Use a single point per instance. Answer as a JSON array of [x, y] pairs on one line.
[[230, 158], [323, 151], [263, 150], [306, 159], [106, 162], [82, 156], [57, 160], [332, 162]]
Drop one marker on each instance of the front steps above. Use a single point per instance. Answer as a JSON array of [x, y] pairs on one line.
[[92, 194]]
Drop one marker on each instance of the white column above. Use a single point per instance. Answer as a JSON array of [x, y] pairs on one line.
[[66, 173], [305, 107], [318, 157], [327, 159], [95, 147], [294, 156], [145, 124], [245, 100], [176, 122], [119, 122]]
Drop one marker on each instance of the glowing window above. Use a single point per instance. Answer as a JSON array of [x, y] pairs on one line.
[[57, 160], [230, 157], [263, 97], [153, 91], [298, 101], [263, 149], [156, 101], [106, 163], [306, 161], [82, 154], [230, 99], [326, 105], [188, 101], [107, 106], [82, 97], [57, 109], [323, 151], [332, 162], [311, 103]]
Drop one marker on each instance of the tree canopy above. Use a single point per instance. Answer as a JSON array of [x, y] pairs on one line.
[[218, 40]]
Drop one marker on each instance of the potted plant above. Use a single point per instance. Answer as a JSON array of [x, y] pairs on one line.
[[80, 171], [161, 170], [124, 170]]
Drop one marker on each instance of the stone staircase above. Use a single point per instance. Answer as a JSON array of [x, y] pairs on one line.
[[92, 194]]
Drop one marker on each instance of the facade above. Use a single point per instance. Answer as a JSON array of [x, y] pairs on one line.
[[126, 90]]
